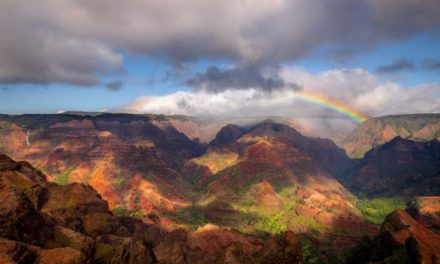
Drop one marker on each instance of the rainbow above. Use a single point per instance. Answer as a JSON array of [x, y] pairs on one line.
[[330, 104]]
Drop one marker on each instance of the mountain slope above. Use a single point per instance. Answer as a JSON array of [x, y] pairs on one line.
[[271, 178], [399, 167], [42, 222], [377, 131], [134, 161], [401, 240]]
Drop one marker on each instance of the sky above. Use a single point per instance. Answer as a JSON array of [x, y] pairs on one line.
[[226, 58]]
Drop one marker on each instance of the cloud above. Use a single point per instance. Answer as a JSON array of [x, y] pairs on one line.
[[368, 93], [215, 79], [431, 64], [356, 88], [32, 51], [399, 65], [114, 86], [76, 41]]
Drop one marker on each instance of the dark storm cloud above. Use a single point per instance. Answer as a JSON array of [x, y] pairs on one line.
[[407, 64], [399, 65], [76, 41], [114, 86], [215, 79], [431, 64]]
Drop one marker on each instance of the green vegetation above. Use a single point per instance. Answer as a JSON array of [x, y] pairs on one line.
[[376, 209], [4, 126], [288, 192], [102, 250], [195, 181], [191, 217], [153, 217], [34, 122], [275, 224], [120, 182], [216, 161], [119, 210], [253, 216], [136, 213], [63, 178], [309, 252], [241, 190], [248, 139], [307, 222]]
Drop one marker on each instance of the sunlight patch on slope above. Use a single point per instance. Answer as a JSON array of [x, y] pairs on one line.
[[216, 161]]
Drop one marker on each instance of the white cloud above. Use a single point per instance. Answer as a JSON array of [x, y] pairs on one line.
[[367, 92], [359, 89]]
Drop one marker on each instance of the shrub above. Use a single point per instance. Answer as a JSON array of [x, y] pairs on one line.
[[119, 210], [376, 209], [191, 217], [63, 178], [120, 182], [136, 213], [153, 217]]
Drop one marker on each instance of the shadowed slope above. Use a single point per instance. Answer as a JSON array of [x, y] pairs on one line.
[[42, 222], [398, 167], [402, 240], [379, 130]]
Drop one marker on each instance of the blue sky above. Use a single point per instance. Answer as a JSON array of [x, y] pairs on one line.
[[147, 76], [67, 63]]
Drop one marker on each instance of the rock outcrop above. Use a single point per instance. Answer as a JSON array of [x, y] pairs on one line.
[[42, 222], [401, 240]]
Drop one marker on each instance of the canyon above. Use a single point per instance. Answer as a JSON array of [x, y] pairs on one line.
[[137, 187]]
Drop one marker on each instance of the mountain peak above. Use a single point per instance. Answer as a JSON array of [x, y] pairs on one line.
[[227, 135]]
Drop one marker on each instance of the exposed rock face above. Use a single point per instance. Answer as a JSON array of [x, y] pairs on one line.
[[426, 210], [42, 222], [134, 161], [140, 164], [377, 131], [260, 179], [402, 240], [398, 167], [279, 180]]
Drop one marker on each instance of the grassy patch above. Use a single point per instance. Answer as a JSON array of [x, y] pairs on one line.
[[4, 126], [308, 222], [191, 217], [216, 161], [195, 180], [119, 210], [376, 209], [63, 178], [136, 213], [120, 182], [249, 139], [265, 219], [309, 251], [241, 190], [276, 225]]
